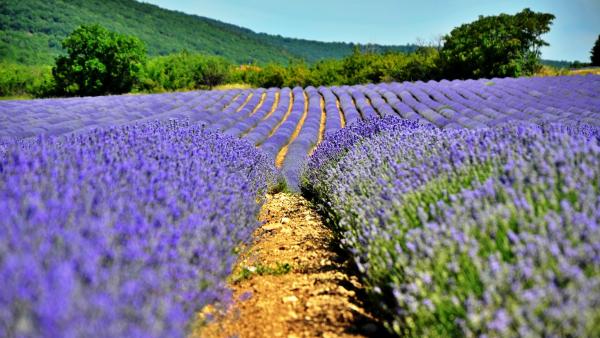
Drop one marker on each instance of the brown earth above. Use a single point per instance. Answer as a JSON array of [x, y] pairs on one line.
[[292, 281]]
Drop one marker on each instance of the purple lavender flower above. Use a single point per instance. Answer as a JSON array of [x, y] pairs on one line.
[[124, 231]]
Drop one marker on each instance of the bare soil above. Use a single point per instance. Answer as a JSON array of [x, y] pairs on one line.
[[292, 281]]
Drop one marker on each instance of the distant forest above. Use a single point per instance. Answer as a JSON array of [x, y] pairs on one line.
[[563, 64], [31, 32]]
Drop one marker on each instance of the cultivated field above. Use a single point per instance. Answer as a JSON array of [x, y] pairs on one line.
[[467, 207], [288, 123], [467, 231]]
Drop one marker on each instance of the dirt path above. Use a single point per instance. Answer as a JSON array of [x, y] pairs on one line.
[[292, 282]]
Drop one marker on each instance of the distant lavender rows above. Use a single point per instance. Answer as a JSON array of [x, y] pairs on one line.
[[269, 117]]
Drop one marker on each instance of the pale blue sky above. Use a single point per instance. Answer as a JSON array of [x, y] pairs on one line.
[[572, 36]]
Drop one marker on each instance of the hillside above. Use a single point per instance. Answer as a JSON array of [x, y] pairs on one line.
[[31, 32]]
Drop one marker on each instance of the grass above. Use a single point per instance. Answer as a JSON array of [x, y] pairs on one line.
[[261, 270], [586, 71], [280, 186], [17, 97]]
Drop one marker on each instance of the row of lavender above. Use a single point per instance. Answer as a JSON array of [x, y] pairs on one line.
[[269, 117], [485, 232], [122, 232]]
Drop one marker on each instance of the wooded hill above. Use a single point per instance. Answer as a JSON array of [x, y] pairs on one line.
[[31, 32]]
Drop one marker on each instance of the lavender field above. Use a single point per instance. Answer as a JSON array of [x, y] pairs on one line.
[[288, 123], [469, 207], [469, 232], [122, 232]]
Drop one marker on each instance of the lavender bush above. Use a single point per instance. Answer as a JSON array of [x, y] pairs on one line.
[[122, 232], [486, 232]]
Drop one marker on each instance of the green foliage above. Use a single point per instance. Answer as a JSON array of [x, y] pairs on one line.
[[188, 71], [26, 48], [261, 270], [595, 57], [504, 45], [273, 75], [297, 74], [327, 73], [25, 81], [362, 67], [496, 46], [557, 64], [183, 71], [359, 67], [280, 185], [31, 31], [420, 65], [212, 72], [167, 73], [98, 62]]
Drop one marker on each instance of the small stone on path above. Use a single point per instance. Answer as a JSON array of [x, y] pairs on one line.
[[290, 299]]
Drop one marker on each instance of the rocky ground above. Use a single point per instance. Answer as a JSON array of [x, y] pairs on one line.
[[292, 282]]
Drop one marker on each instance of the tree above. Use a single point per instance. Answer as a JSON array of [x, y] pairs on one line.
[[98, 62], [212, 71], [496, 46], [595, 58]]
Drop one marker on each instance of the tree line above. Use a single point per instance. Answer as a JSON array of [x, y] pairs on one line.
[[100, 62]]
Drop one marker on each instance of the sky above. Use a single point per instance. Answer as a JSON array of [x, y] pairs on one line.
[[394, 22]]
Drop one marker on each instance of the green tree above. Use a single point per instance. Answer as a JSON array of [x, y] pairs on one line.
[[98, 62], [212, 71], [496, 46], [595, 58]]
